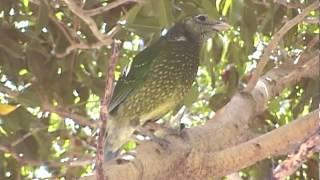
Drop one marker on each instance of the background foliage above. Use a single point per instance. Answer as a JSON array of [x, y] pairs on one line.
[[49, 104]]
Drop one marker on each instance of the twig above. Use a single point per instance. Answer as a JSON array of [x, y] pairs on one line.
[[62, 28], [47, 107], [103, 40], [312, 20], [313, 42], [25, 136], [104, 109], [108, 7], [11, 93], [75, 46], [68, 33], [81, 45], [263, 2], [274, 41], [22, 160], [89, 21], [294, 161], [75, 117], [290, 5]]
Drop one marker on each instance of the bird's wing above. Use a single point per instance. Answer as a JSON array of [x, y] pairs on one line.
[[136, 75]]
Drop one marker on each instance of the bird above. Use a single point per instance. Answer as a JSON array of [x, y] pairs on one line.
[[158, 79]]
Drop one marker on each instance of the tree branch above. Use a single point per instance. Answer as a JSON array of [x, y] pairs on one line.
[[111, 65], [5, 90], [88, 20], [103, 39], [62, 28], [200, 165], [289, 73], [66, 114], [25, 136], [294, 161], [289, 4], [81, 45], [20, 159], [274, 42], [108, 7]]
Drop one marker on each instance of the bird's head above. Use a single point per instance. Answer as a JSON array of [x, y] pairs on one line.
[[196, 28]]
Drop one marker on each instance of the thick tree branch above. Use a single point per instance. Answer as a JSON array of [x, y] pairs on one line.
[[276, 80], [274, 42], [225, 128], [202, 165], [233, 120]]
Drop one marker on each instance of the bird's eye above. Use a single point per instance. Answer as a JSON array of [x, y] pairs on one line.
[[201, 18]]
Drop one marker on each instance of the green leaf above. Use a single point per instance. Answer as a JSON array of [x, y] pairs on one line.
[[209, 8], [132, 14], [226, 7], [25, 3], [6, 109], [130, 145], [20, 119], [163, 11], [29, 97]]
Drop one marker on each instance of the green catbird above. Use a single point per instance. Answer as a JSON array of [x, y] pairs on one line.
[[158, 79]]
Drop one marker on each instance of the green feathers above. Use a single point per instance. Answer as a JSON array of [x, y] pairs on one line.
[[136, 75], [159, 78]]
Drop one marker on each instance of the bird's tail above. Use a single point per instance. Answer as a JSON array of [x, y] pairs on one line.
[[110, 152], [116, 137], [109, 155]]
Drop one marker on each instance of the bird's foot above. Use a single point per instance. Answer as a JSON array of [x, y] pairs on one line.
[[157, 133], [152, 126], [110, 155], [153, 129], [164, 143]]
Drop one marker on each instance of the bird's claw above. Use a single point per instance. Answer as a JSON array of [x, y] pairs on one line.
[[164, 144]]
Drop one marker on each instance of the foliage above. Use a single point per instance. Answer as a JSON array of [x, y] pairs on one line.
[[41, 91]]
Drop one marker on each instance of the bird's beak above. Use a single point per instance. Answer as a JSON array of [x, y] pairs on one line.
[[221, 26]]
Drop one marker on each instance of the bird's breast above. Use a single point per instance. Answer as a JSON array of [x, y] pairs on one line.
[[168, 81]]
